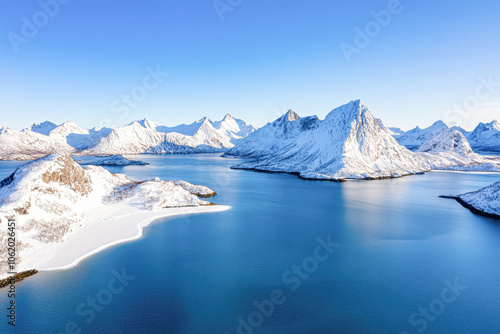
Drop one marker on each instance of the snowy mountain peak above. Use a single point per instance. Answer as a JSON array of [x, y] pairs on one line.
[[349, 143], [416, 137], [494, 125], [290, 116], [439, 124], [204, 120], [448, 140], [228, 117], [485, 137], [49, 179], [43, 128], [146, 123]]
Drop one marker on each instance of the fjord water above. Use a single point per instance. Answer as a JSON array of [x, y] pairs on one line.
[[399, 247]]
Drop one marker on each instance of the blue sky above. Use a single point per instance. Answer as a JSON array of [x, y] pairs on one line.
[[428, 61]]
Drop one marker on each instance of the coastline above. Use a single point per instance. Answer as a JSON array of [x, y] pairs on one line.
[[126, 228], [471, 208], [120, 224]]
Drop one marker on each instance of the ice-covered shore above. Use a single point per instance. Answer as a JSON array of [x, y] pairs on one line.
[[65, 212]]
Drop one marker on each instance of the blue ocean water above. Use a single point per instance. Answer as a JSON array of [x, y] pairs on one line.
[[404, 260]]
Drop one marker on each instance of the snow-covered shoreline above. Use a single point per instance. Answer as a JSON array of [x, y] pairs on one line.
[[65, 213], [103, 235]]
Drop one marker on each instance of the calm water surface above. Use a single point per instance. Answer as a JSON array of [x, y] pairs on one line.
[[397, 245]]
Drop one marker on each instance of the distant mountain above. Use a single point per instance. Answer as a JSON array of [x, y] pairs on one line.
[[43, 128], [395, 132], [349, 143], [450, 150], [485, 137], [26, 145], [142, 136], [274, 136], [448, 140], [414, 138], [234, 128]]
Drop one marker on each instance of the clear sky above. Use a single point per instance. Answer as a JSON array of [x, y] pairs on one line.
[[254, 59]]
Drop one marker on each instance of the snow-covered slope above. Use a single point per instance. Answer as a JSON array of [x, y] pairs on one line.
[[274, 136], [485, 201], [26, 145], [77, 137], [448, 140], [53, 197], [414, 138], [348, 144], [235, 129], [450, 150], [130, 139], [485, 137]]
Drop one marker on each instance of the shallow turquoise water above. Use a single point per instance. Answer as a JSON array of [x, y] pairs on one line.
[[397, 244]]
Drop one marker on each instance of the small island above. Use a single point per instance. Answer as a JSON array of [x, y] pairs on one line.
[[111, 160]]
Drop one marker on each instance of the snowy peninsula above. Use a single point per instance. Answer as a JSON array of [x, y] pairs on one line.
[[65, 212]]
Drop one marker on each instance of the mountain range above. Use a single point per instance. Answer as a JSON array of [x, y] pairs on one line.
[[484, 138], [230, 136], [142, 136], [350, 143]]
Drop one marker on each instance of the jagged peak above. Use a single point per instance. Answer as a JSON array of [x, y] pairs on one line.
[[148, 124], [447, 140], [204, 120], [289, 116], [228, 117], [43, 128], [494, 124], [54, 168], [355, 109], [44, 123]]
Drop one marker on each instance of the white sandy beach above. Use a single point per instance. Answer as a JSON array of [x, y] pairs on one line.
[[104, 234]]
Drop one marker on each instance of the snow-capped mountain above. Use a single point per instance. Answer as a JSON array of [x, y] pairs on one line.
[[414, 138], [26, 145], [142, 136], [486, 137], [349, 143], [148, 137], [274, 136], [53, 197], [77, 137], [448, 140], [450, 150], [43, 128], [233, 128], [129, 139]]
